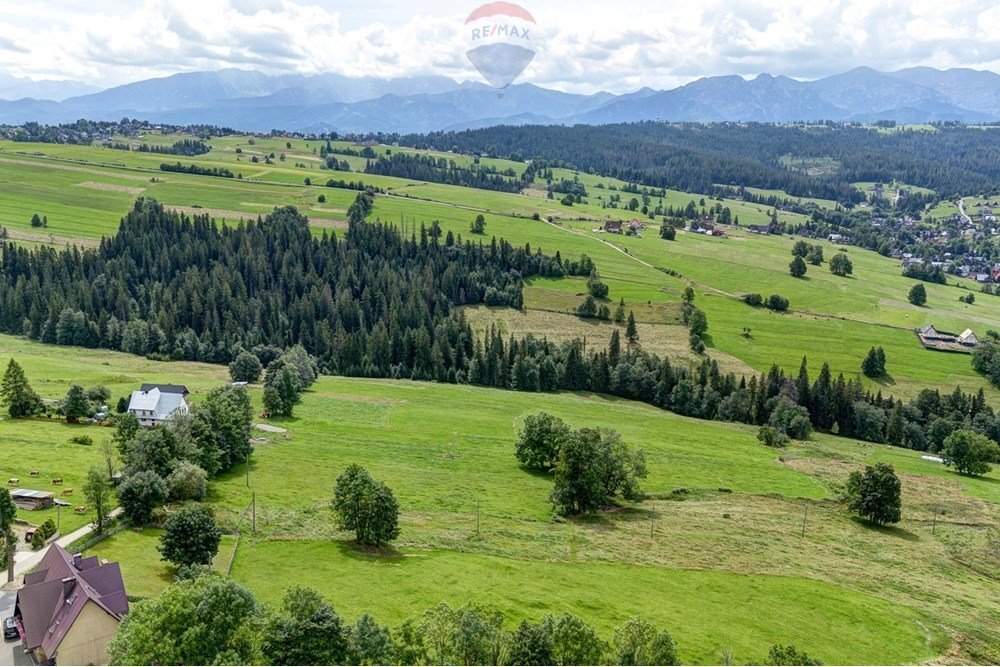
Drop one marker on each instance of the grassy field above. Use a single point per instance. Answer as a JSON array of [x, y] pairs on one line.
[[141, 563], [724, 564], [83, 191], [44, 445]]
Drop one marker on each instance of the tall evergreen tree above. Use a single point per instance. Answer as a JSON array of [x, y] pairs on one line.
[[16, 394]]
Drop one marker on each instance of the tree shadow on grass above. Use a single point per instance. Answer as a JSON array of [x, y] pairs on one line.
[[978, 478], [893, 531], [536, 472], [884, 380], [386, 553]]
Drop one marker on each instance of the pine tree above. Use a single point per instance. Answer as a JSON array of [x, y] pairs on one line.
[[16, 394], [896, 428], [614, 349], [797, 268], [631, 332], [870, 365]]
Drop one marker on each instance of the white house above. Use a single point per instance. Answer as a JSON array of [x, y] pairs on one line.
[[157, 403]]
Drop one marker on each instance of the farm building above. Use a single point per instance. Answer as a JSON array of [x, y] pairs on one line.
[[70, 608], [157, 403], [933, 339], [968, 337], [613, 226], [28, 499]]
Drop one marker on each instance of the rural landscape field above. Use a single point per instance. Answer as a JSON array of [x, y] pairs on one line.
[[302, 367]]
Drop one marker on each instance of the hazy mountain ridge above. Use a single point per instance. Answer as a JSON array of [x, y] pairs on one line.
[[251, 100]]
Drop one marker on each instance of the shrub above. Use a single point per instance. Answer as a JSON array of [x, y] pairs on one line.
[[82, 440], [768, 435], [777, 302]]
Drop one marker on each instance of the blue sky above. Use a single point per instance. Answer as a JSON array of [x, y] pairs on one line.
[[583, 46]]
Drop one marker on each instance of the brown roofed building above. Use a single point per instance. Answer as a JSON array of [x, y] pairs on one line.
[[70, 608]]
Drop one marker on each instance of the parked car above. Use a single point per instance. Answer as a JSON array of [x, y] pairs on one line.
[[10, 628]]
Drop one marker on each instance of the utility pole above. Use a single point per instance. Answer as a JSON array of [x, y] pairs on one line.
[[254, 515], [248, 469], [650, 526]]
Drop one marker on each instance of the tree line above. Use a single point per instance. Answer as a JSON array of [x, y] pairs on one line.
[[207, 620], [377, 304], [173, 287], [697, 157], [442, 170], [198, 170], [187, 147]]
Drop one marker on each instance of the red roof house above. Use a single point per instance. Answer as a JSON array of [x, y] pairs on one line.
[[70, 608]]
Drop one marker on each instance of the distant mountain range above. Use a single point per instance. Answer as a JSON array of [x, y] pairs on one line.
[[249, 100]]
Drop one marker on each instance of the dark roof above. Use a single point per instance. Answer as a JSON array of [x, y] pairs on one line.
[[58, 589], [165, 388]]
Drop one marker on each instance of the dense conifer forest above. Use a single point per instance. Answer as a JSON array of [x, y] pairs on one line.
[[377, 304], [441, 170], [692, 156]]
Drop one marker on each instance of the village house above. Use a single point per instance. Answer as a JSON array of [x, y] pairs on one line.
[[158, 403], [613, 226], [69, 608]]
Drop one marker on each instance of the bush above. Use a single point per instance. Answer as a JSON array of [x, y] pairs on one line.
[[768, 435], [187, 482], [777, 302], [37, 539], [82, 440], [139, 494], [753, 299], [788, 655], [48, 528]]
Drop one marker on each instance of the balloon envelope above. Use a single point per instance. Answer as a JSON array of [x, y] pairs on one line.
[[500, 41], [500, 64]]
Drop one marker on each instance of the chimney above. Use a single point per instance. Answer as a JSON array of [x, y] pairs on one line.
[[77, 561], [68, 584]]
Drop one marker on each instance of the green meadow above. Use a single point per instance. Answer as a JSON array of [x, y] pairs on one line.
[[717, 554], [83, 191]]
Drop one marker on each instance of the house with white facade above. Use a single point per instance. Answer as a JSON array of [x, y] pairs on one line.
[[155, 404]]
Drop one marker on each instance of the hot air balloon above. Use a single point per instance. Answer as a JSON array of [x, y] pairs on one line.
[[500, 38]]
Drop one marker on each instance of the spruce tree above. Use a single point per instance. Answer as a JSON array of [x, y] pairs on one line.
[[631, 332], [16, 394]]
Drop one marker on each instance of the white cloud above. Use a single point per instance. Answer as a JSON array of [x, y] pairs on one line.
[[588, 45]]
